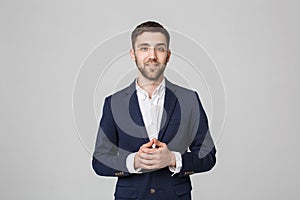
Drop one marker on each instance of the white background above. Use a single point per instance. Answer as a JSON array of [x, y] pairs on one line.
[[255, 45]]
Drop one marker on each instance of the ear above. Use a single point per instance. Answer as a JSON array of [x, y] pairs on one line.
[[168, 55], [132, 55]]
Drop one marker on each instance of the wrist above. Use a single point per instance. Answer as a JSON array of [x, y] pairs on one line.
[[173, 162], [135, 164]]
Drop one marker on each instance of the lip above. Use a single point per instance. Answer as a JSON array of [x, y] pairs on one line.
[[152, 65]]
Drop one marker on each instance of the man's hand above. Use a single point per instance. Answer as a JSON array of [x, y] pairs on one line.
[[154, 158]]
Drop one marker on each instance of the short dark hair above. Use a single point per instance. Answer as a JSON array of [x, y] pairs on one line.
[[149, 26]]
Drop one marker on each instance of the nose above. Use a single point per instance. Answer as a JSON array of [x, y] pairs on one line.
[[152, 53]]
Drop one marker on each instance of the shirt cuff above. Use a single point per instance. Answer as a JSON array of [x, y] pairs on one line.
[[178, 162], [130, 164]]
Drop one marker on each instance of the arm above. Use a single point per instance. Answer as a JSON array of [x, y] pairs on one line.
[[108, 158], [201, 157]]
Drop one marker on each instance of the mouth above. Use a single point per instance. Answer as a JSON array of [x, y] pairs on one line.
[[152, 64]]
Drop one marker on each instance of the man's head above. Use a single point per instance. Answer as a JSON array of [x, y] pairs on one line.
[[149, 26], [150, 50]]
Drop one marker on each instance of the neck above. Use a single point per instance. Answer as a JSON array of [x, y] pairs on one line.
[[149, 85]]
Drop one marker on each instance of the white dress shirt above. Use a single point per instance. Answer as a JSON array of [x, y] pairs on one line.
[[152, 111]]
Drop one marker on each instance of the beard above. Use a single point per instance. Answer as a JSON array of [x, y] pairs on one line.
[[152, 70]]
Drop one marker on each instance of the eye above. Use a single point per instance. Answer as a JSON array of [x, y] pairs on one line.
[[144, 48], [161, 49]]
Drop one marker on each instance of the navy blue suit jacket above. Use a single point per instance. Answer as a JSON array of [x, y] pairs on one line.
[[184, 128]]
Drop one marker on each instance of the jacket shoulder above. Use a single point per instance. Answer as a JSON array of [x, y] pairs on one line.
[[121, 93], [181, 90]]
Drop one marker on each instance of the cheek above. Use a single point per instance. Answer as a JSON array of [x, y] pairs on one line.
[[163, 59], [139, 57], [142, 58]]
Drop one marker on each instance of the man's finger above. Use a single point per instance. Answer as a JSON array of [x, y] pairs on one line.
[[148, 150], [148, 144], [158, 143], [146, 156]]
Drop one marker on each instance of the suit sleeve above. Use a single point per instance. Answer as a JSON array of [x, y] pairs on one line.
[[202, 154], [108, 159]]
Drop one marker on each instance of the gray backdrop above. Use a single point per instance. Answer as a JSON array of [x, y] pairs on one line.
[[254, 44]]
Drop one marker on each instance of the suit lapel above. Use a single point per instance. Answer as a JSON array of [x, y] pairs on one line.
[[135, 111], [169, 105]]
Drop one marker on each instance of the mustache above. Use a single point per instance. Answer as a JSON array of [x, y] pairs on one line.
[[151, 63]]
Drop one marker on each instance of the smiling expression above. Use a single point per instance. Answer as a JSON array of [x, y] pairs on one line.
[[151, 55]]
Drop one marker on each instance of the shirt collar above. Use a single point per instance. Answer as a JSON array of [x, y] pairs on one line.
[[159, 91]]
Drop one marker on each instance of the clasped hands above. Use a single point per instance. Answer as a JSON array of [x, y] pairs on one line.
[[154, 158]]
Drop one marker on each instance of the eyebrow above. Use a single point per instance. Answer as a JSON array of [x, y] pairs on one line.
[[147, 44]]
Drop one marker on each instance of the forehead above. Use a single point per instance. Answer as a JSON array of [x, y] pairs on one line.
[[151, 38]]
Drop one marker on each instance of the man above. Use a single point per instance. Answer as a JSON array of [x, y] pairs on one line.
[[153, 134]]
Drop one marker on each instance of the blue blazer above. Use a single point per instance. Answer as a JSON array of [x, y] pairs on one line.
[[184, 128]]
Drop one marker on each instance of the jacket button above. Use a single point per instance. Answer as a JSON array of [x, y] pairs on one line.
[[152, 191]]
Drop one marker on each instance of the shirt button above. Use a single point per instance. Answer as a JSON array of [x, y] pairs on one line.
[[152, 191]]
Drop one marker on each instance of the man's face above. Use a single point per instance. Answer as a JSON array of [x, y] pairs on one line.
[[151, 55]]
